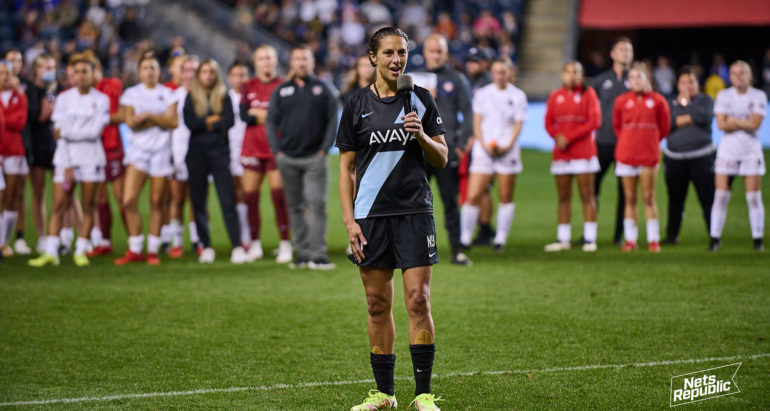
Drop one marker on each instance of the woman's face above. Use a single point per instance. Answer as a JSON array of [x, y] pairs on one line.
[[687, 85], [83, 75], [365, 70], [739, 77], [265, 62], [149, 72], [500, 74], [571, 75], [638, 80], [188, 71], [46, 70], [207, 76], [391, 57]]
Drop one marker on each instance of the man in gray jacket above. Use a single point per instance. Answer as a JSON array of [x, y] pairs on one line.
[[303, 110]]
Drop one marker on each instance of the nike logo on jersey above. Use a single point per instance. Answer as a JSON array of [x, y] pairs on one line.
[[366, 115], [431, 255], [395, 134]]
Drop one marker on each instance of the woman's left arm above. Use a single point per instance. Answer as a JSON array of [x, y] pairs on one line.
[[228, 117]]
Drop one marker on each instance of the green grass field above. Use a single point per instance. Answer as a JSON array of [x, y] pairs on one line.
[[519, 330]]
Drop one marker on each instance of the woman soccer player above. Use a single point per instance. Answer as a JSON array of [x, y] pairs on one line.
[[739, 110], [641, 119], [391, 208], [150, 112], [79, 117], [237, 76], [572, 116], [14, 106], [499, 111], [256, 158], [208, 113]]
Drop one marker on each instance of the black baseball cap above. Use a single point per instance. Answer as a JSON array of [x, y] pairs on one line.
[[477, 54]]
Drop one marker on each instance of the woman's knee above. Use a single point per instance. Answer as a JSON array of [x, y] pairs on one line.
[[418, 303], [377, 305]]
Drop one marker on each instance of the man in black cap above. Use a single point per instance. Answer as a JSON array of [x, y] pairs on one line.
[[477, 68]]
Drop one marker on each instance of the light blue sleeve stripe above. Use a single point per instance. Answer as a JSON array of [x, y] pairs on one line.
[[378, 171], [417, 104]]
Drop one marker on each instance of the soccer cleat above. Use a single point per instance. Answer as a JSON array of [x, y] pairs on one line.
[[589, 247], [99, 250], [239, 256], [714, 244], [670, 241], [557, 246], [284, 252], [461, 259], [758, 246], [425, 402], [255, 251], [498, 247], [7, 251], [129, 257], [207, 256], [21, 248], [80, 260], [298, 263], [628, 246], [152, 259], [321, 264], [44, 260], [176, 252], [653, 247], [485, 237], [377, 401]]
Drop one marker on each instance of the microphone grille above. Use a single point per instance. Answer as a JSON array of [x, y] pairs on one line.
[[405, 82]]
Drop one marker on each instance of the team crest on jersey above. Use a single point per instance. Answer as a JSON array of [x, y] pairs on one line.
[[448, 86], [650, 103], [317, 90], [607, 84], [251, 96], [577, 97], [630, 104], [287, 91], [559, 99]]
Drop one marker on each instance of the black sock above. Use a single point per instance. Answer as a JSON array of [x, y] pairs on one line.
[[382, 366], [422, 364], [19, 234], [486, 228]]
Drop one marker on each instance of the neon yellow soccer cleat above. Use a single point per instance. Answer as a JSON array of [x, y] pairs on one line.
[[377, 401], [80, 260], [425, 402], [44, 260]]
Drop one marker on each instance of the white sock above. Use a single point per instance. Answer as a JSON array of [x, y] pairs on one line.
[[469, 215], [504, 222], [96, 237], [563, 233], [10, 224], [630, 230], [81, 245], [3, 237], [136, 243], [52, 245], [177, 231], [243, 219], [106, 243], [153, 244], [193, 232], [165, 234], [653, 231], [719, 212], [67, 235], [756, 213], [589, 231]]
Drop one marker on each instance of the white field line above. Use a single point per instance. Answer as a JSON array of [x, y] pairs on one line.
[[366, 381]]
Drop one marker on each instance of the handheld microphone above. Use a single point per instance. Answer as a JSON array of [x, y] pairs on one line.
[[405, 85]]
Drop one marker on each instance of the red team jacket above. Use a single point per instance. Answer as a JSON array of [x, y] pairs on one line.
[[640, 122], [255, 93], [113, 146], [15, 120], [2, 130], [576, 115]]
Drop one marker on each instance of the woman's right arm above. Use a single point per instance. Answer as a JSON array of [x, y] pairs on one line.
[[346, 187]]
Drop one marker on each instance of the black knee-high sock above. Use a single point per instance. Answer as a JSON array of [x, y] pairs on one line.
[[383, 366], [422, 363]]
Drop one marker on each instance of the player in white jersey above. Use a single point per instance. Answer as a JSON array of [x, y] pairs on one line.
[[237, 76], [150, 112], [79, 116], [499, 111], [180, 141], [739, 111]]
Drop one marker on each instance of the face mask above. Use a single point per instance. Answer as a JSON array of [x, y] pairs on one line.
[[48, 77]]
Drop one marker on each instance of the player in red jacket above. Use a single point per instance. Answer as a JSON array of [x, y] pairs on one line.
[[641, 119], [3, 240], [101, 238], [257, 159], [15, 168], [571, 118]]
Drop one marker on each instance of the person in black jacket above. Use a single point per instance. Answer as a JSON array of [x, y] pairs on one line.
[[689, 155], [208, 113]]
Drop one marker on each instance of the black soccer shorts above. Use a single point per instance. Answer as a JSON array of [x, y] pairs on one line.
[[402, 241]]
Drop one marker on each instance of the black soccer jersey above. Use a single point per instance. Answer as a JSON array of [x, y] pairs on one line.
[[391, 176]]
